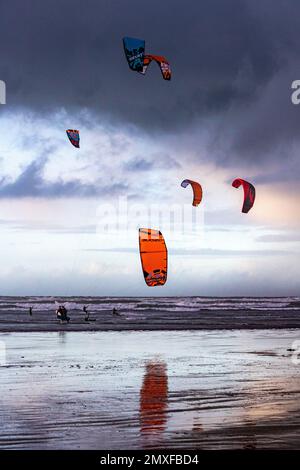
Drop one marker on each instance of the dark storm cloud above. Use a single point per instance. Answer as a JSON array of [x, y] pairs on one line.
[[158, 161], [287, 175], [31, 183], [138, 164], [233, 61]]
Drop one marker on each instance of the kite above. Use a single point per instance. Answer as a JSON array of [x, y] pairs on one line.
[[197, 191], [161, 62], [74, 138], [249, 193], [139, 62], [134, 51], [154, 256]]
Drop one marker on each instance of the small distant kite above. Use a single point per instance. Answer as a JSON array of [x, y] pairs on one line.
[[138, 61], [74, 138], [197, 191], [154, 256], [249, 193]]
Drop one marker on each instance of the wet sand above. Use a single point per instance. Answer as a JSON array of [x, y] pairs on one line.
[[20, 320], [128, 390]]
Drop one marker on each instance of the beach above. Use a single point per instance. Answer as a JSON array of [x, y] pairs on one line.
[[186, 373], [145, 390], [142, 314]]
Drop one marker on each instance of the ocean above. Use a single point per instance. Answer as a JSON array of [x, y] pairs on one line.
[[154, 304], [152, 312]]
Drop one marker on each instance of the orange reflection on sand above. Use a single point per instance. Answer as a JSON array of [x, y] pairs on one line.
[[154, 398]]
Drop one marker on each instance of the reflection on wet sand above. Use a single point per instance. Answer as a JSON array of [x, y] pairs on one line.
[[154, 399], [187, 390], [62, 337], [250, 440]]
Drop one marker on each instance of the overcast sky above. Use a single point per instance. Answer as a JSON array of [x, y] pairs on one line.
[[69, 217]]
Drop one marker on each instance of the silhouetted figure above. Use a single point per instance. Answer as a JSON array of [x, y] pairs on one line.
[[61, 313], [115, 312], [65, 316], [30, 311], [87, 314]]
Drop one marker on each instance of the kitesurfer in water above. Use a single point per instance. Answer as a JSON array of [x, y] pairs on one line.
[[115, 311], [87, 314], [58, 313], [64, 315], [61, 313], [30, 311]]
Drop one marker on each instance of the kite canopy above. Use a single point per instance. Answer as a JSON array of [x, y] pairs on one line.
[[197, 191], [249, 193], [139, 62], [134, 51], [161, 62], [154, 256], [74, 138]]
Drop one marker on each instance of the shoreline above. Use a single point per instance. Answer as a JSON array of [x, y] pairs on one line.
[[44, 321]]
